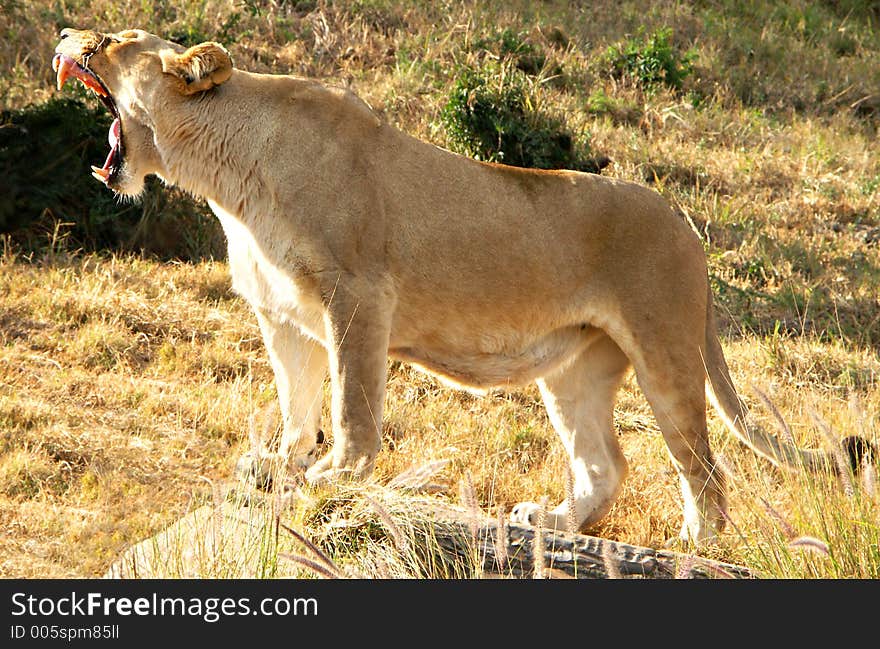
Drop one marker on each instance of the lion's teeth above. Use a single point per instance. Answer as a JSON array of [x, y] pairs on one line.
[[66, 67], [113, 135], [100, 174]]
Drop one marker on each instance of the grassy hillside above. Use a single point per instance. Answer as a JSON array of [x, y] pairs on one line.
[[127, 380]]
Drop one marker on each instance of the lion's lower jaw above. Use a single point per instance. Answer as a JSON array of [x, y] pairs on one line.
[[128, 186]]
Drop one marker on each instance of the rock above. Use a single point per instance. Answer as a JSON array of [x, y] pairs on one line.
[[228, 541]]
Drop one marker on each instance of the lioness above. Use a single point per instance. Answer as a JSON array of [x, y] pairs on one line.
[[354, 242]]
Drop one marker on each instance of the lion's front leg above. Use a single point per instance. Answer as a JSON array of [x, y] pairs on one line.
[[357, 323], [300, 366]]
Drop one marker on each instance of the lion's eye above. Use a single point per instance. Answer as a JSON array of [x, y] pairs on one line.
[[128, 34]]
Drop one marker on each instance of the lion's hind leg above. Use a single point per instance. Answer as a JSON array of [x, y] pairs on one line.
[[580, 400], [673, 380]]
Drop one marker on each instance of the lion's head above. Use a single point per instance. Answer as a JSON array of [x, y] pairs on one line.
[[140, 78]]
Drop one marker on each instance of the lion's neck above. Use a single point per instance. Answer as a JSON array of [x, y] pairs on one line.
[[259, 137], [206, 153]]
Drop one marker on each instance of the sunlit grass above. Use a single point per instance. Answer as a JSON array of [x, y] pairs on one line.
[[125, 383]]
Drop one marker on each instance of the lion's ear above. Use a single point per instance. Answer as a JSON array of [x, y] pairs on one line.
[[199, 68]]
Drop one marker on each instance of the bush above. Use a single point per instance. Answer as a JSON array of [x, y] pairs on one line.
[[514, 46], [650, 61], [46, 190], [489, 116]]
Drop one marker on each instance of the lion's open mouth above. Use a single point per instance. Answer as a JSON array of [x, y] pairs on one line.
[[65, 67]]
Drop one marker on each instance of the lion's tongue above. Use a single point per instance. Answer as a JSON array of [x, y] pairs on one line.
[[103, 173]]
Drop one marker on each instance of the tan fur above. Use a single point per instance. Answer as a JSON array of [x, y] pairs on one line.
[[354, 241], [198, 69]]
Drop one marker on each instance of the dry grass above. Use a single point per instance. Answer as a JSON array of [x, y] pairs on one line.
[[128, 381], [125, 381]]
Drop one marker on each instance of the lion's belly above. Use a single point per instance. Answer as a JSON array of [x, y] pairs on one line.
[[517, 363]]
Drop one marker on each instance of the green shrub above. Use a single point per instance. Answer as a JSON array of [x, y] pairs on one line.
[[515, 46], [650, 60], [490, 116], [46, 190]]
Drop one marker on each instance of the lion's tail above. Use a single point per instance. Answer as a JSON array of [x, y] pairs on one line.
[[723, 396]]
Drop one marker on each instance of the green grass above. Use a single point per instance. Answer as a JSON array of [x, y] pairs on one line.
[[650, 60]]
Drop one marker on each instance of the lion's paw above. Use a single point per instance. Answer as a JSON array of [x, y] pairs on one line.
[[319, 477], [255, 468], [300, 463], [329, 469], [526, 513]]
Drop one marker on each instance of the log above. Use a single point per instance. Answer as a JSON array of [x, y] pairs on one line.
[[566, 555], [220, 541], [577, 556]]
